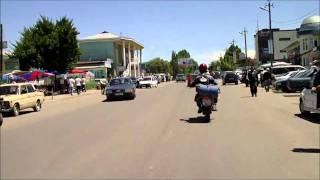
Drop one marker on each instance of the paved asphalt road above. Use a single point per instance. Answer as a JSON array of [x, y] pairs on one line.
[[159, 135]]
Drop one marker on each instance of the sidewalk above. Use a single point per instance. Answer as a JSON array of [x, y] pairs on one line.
[[68, 96]]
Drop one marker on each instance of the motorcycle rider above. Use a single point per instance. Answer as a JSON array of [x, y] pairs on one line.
[[210, 80]]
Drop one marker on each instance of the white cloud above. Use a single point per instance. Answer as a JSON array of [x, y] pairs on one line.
[[208, 56]]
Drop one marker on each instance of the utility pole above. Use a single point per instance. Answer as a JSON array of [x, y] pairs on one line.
[[232, 42], [244, 33], [269, 5]]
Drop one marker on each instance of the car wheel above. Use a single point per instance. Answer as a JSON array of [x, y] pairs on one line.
[[223, 83], [37, 107], [301, 107], [16, 110], [133, 96], [109, 98], [236, 83]]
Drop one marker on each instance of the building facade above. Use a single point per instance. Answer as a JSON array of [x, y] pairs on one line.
[[306, 48], [281, 38], [124, 53]]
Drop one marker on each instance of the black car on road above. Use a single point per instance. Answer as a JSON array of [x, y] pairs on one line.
[[121, 88], [230, 77]]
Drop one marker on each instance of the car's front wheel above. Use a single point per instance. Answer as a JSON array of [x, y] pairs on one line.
[[301, 107], [37, 107], [16, 110]]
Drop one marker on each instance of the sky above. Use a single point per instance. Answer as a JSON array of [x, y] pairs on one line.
[[204, 28]]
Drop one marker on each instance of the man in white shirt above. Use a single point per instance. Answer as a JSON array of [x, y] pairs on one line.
[[83, 84], [78, 85], [71, 85]]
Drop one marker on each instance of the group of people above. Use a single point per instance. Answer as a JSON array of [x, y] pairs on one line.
[[78, 83]]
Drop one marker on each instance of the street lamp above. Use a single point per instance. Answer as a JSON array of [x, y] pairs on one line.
[[270, 29]]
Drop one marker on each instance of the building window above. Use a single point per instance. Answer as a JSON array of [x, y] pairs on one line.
[[315, 43], [282, 51], [284, 39]]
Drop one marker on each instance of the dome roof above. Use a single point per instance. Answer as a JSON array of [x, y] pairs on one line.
[[310, 25], [311, 20]]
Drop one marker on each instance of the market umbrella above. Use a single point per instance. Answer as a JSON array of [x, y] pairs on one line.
[[47, 74], [89, 74], [31, 76], [77, 71]]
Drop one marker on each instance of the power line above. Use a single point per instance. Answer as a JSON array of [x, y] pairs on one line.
[[291, 23], [299, 18]]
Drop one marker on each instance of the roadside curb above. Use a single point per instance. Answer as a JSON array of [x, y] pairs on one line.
[[291, 95], [68, 96]]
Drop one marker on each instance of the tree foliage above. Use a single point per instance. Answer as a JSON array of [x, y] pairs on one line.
[[158, 65], [174, 62], [226, 63], [49, 45]]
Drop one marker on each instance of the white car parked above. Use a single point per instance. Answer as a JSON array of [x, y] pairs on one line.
[[286, 76], [308, 101], [149, 81]]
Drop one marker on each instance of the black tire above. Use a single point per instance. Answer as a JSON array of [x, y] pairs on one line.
[[236, 83], [285, 89], [1, 119], [223, 84], [133, 97], [109, 98], [16, 110], [207, 117], [37, 107]]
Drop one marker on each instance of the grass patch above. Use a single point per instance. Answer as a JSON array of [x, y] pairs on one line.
[[91, 85]]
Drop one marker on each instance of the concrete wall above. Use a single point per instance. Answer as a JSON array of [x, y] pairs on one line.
[[96, 50], [283, 39]]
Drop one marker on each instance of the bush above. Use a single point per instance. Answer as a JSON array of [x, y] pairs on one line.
[[91, 84]]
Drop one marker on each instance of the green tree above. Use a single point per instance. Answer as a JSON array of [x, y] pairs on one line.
[[158, 65], [25, 51], [49, 45], [183, 54], [174, 63]]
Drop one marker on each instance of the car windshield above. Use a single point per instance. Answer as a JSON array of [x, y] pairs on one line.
[[293, 74], [147, 79], [229, 75], [119, 81], [8, 90], [298, 74]]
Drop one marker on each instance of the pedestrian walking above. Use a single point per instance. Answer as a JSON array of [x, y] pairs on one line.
[[71, 83], [267, 77], [83, 84], [253, 82], [78, 85], [316, 82]]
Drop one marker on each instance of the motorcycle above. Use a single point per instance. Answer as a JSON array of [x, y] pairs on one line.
[[207, 97]]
